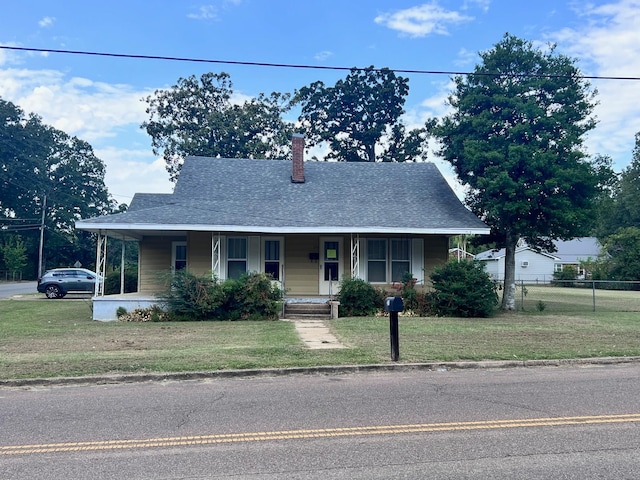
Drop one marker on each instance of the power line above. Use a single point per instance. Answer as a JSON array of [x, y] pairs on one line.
[[305, 66]]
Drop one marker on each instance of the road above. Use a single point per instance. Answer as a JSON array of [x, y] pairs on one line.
[[549, 422], [17, 288]]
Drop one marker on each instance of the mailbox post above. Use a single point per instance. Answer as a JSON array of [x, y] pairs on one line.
[[393, 305]]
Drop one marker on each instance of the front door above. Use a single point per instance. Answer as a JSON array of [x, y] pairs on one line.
[[331, 269]]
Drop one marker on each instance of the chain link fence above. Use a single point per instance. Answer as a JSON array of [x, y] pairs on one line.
[[578, 296]]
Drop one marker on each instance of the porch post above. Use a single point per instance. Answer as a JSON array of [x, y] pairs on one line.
[[122, 268], [215, 255], [355, 256], [101, 263]]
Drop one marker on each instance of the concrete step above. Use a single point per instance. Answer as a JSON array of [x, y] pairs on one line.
[[307, 311]]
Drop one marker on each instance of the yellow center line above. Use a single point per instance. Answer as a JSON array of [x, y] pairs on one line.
[[312, 433]]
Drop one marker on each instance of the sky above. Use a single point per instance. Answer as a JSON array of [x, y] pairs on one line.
[[100, 99]]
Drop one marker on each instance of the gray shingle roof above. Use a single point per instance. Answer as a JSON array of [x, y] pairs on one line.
[[257, 195]]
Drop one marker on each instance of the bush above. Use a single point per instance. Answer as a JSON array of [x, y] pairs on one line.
[[112, 282], [463, 289], [359, 298], [251, 297], [566, 277]]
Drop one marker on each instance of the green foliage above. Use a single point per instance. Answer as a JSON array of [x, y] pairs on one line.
[[568, 273], [112, 282], [516, 140], [358, 114], [623, 254], [622, 208], [358, 298], [202, 297], [14, 254], [197, 117], [463, 289], [37, 162]]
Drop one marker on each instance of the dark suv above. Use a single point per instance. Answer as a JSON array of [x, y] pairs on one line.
[[58, 282]]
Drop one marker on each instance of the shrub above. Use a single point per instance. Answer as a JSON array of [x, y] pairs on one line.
[[112, 282], [251, 297], [566, 277], [359, 298], [463, 289]]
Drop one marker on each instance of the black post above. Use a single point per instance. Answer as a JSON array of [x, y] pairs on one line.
[[395, 341]]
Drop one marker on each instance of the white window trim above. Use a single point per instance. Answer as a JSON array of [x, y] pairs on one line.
[[174, 246]]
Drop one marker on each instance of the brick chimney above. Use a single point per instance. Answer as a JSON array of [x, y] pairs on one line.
[[297, 174]]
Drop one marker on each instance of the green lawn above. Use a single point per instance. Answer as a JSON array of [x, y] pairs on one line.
[[40, 338]]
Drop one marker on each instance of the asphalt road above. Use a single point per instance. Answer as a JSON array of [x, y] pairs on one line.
[[18, 288], [548, 422]]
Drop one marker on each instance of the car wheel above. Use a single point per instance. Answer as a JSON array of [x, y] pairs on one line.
[[53, 291]]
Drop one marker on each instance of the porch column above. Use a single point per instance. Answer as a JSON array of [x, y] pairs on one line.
[[101, 264], [215, 255], [355, 256], [122, 268]]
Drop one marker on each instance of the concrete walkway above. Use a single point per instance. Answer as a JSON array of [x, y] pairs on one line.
[[315, 334]]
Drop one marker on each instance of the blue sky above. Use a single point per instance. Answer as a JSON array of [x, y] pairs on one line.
[[99, 99]]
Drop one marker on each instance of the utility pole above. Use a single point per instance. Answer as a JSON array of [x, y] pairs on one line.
[[44, 210]]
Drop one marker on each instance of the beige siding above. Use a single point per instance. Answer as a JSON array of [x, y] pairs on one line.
[[301, 274], [199, 253], [155, 262], [436, 253]]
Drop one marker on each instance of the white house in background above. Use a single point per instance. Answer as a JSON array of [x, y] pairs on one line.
[[539, 267], [531, 266]]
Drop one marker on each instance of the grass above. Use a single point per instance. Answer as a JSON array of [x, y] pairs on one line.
[[40, 338]]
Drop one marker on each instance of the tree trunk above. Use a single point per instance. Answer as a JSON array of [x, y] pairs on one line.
[[509, 290]]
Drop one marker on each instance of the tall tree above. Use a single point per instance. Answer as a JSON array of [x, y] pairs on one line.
[[624, 210], [38, 161], [359, 117], [515, 138], [201, 117]]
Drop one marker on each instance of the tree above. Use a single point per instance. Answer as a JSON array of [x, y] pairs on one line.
[[200, 117], [515, 138], [622, 208], [359, 115], [37, 162], [14, 254], [623, 254]]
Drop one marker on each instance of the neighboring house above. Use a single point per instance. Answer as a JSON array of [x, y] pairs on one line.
[[539, 267], [571, 253], [307, 224], [531, 266]]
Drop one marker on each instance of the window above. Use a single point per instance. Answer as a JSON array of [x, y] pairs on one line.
[[400, 258], [557, 267], [388, 259], [179, 256], [377, 260], [236, 257], [272, 258]]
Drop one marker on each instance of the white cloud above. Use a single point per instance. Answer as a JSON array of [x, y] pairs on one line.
[[607, 45], [322, 56], [46, 22], [99, 113], [422, 20], [133, 171], [205, 12]]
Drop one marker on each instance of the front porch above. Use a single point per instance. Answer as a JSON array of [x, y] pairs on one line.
[[105, 307]]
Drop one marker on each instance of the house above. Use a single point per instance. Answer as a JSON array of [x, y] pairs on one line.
[[307, 224], [539, 267], [571, 253]]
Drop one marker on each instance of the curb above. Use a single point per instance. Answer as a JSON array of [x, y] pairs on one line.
[[319, 370]]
